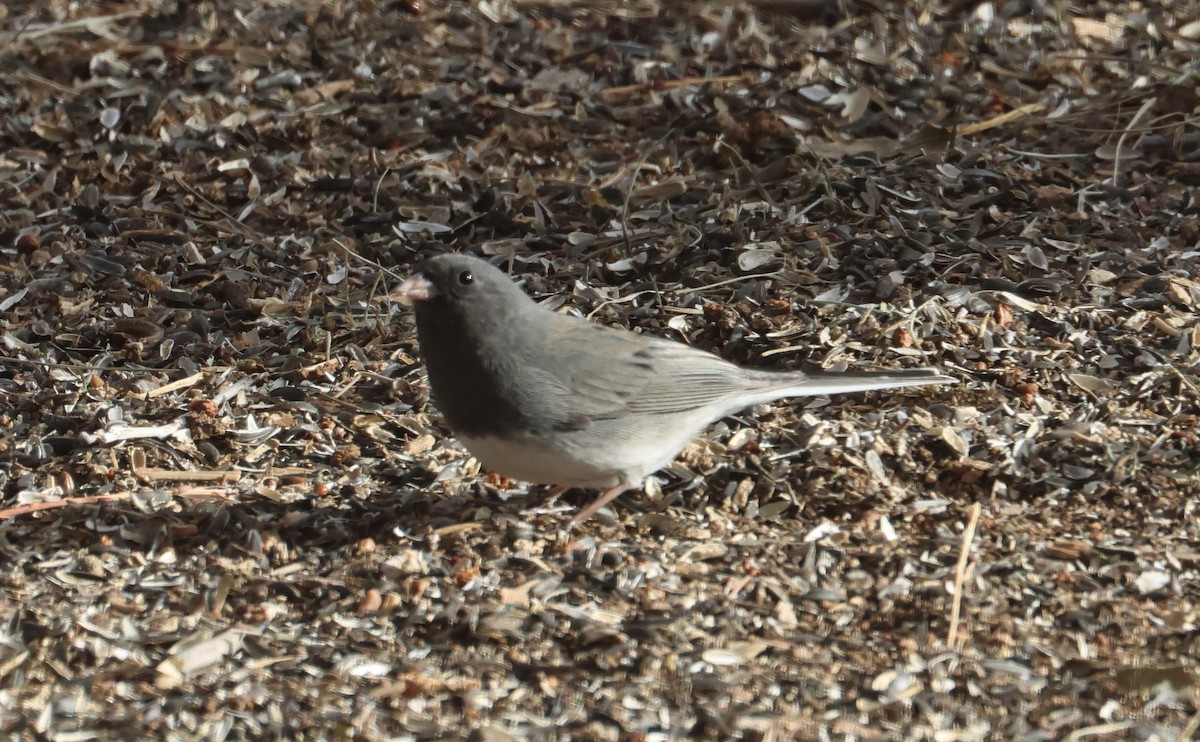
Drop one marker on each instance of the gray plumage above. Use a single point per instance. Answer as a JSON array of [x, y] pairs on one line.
[[554, 399]]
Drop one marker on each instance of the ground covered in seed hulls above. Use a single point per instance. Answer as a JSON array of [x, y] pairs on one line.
[[230, 510]]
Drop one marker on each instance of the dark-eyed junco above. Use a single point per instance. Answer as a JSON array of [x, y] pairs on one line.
[[554, 399]]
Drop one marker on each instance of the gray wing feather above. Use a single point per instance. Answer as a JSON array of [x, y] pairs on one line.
[[614, 373]]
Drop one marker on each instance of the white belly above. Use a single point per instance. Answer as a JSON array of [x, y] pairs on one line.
[[535, 462], [577, 462]]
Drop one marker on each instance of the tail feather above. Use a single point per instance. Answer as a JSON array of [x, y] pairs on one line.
[[812, 385]]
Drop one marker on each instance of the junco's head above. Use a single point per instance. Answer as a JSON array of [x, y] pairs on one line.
[[447, 283]]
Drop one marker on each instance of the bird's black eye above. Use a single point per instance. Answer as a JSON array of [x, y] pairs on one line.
[[466, 278]]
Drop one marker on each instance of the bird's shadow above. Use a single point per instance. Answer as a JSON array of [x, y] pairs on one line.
[[240, 522]]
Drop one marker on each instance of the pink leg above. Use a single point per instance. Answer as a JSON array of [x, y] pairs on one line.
[[598, 503]]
